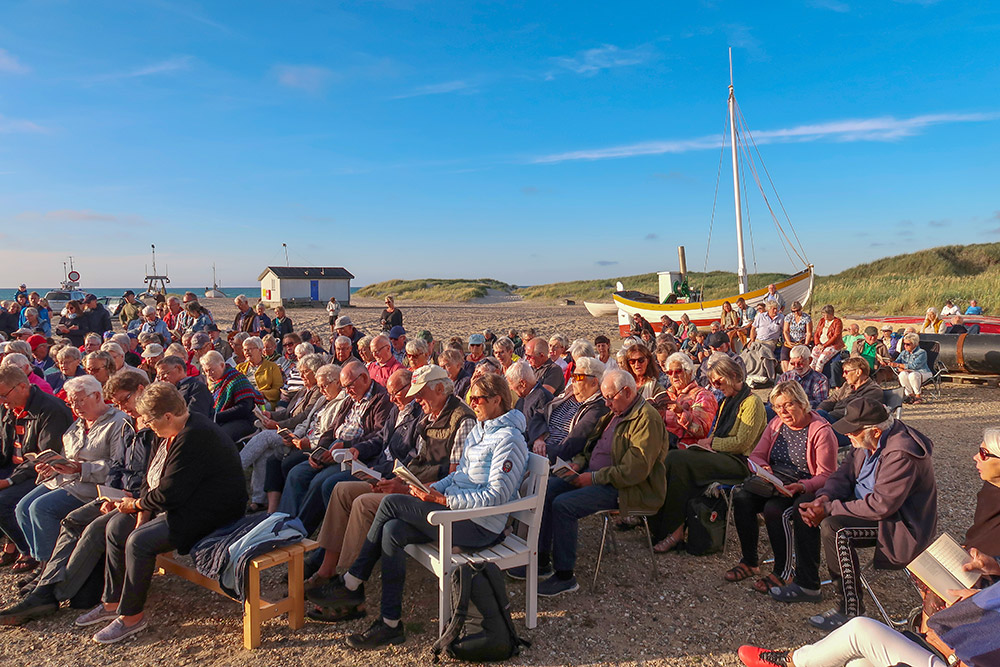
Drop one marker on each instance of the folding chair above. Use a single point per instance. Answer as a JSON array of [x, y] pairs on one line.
[[606, 516], [893, 401]]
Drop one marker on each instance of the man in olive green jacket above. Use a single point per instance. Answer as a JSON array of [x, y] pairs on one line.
[[621, 467]]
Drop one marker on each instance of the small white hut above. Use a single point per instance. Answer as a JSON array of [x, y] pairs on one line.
[[299, 284]]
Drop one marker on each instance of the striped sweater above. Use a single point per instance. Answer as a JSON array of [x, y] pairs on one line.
[[493, 463]]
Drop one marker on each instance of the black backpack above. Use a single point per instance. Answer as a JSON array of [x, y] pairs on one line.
[[480, 629], [706, 525]]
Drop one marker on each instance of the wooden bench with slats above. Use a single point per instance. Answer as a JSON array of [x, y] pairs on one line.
[[256, 610]]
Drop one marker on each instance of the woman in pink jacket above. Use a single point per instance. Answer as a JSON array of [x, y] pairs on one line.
[[799, 450]]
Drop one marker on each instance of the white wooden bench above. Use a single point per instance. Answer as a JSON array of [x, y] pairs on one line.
[[256, 610], [520, 547]]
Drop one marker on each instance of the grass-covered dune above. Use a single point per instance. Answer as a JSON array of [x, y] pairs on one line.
[[435, 289]]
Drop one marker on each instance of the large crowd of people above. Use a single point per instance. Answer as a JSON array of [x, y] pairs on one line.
[[194, 424]]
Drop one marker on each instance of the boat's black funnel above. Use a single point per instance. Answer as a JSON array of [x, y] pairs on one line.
[[968, 353]]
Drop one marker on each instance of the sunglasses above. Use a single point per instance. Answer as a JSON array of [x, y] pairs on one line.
[[475, 399], [987, 454], [637, 360], [580, 377]]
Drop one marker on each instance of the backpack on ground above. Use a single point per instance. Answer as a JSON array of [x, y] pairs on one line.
[[481, 629], [706, 525]]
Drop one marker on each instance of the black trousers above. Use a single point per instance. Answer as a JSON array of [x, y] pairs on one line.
[[746, 507], [79, 549], [842, 536], [131, 560]]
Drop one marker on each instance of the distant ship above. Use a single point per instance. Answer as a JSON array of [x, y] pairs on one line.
[[214, 292]]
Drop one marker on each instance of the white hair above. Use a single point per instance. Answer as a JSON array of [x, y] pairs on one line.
[[20, 346], [241, 298], [520, 370], [559, 339], [255, 341], [590, 366], [681, 359], [619, 379], [17, 360], [800, 352], [84, 384], [341, 341], [123, 340], [211, 358], [581, 348], [328, 373], [112, 348], [312, 362], [69, 352], [304, 349], [148, 310], [417, 346], [912, 338]]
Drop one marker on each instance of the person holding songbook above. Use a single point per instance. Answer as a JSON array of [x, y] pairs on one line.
[[794, 458], [493, 463]]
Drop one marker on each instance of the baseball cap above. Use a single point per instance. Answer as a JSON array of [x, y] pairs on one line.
[[477, 339], [127, 292], [424, 375], [200, 340], [886, 327], [89, 298], [152, 350], [861, 412], [397, 331], [36, 340], [425, 335], [23, 331], [717, 339], [343, 321]]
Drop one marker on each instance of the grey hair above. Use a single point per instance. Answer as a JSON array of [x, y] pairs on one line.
[[123, 340], [450, 355], [768, 303], [558, 339], [92, 336], [590, 366], [304, 350], [104, 358], [722, 364], [12, 376], [991, 439], [328, 373], [112, 348], [520, 370], [312, 362], [912, 338], [504, 343], [17, 360], [800, 352], [581, 348], [69, 352], [19, 346], [683, 359], [241, 298], [84, 384], [377, 339], [446, 383], [210, 358], [417, 346], [31, 311], [238, 338], [341, 340], [148, 310], [177, 351], [619, 379], [255, 341]]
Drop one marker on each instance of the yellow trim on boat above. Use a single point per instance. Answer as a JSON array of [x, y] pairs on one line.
[[717, 303]]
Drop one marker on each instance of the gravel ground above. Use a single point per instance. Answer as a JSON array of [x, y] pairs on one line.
[[686, 615]]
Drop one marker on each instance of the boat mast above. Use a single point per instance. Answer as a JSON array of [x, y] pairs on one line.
[[741, 272]]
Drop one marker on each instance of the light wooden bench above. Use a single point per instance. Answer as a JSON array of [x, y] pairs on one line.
[[256, 610]]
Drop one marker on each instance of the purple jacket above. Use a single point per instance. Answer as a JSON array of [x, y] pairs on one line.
[[904, 502]]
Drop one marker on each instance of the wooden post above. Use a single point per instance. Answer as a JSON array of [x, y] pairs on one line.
[[296, 591], [251, 609]]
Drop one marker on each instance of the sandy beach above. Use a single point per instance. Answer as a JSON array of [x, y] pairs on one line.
[[686, 615]]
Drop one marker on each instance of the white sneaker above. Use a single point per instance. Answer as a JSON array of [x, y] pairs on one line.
[[96, 615]]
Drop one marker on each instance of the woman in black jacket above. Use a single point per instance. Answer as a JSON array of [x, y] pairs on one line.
[[194, 485]]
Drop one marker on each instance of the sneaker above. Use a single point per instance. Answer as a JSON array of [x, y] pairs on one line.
[[117, 631], [96, 615], [753, 656], [377, 635], [555, 586], [336, 595], [29, 579], [829, 620], [521, 573], [28, 609]]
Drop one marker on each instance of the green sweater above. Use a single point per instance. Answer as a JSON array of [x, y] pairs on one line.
[[750, 423]]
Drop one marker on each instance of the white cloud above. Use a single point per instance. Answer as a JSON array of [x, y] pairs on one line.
[[608, 56], [437, 89], [884, 128], [174, 64], [15, 125], [11, 65], [310, 78]]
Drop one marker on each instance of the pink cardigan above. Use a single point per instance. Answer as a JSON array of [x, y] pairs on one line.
[[821, 450]]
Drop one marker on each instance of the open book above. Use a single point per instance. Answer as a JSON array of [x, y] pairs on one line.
[[110, 494], [404, 473], [49, 457], [940, 568], [341, 455], [764, 473], [364, 473], [563, 470]]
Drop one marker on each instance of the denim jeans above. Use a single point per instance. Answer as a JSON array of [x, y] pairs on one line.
[[39, 515], [9, 498], [402, 520], [565, 505]]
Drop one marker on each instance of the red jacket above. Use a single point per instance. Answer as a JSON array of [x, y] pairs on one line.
[[821, 450], [836, 329]]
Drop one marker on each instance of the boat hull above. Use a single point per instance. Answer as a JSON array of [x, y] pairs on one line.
[[703, 313], [601, 309]]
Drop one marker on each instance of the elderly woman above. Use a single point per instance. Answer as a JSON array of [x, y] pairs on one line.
[[932, 323], [797, 330], [365, 349], [193, 486], [827, 338], [503, 350], [281, 326], [912, 366], [239, 354], [278, 428], [35, 323], [68, 360], [984, 533], [417, 353], [72, 324], [558, 345], [720, 457], [265, 321], [489, 473], [532, 396], [642, 366], [235, 397], [578, 349], [800, 449], [688, 408], [687, 328], [567, 421], [151, 323]]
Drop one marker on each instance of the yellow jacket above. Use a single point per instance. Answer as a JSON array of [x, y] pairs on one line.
[[267, 377]]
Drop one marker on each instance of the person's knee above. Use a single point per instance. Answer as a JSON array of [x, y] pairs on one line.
[[394, 536], [568, 508], [773, 512]]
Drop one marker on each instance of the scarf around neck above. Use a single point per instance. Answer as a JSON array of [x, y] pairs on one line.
[[728, 409]]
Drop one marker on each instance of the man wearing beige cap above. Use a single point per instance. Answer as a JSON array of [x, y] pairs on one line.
[[447, 421], [150, 356]]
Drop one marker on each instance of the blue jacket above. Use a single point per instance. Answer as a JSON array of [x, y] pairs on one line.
[[491, 469], [914, 361]]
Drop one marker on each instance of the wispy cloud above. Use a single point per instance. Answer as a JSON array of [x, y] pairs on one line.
[[437, 89], [608, 56], [173, 64], [190, 14], [11, 65], [604, 262], [883, 128], [310, 78], [652, 236], [82, 215], [16, 125], [832, 5]]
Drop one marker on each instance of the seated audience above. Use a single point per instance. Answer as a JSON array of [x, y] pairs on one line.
[[828, 339], [852, 335], [174, 369], [719, 457], [984, 533], [503, 350], [536, 351], [569, 419], [18, 360], [932, 323], [602, 345], [882, 495], [234, 397], [532, 396], [264, 374], [688, 408], [913, 369], [642, 366], [857, 384], [417, 354], [799, 448], [956, 326], [385, 363], [813, 383], [453, 361], [871, 349], [797, 330]]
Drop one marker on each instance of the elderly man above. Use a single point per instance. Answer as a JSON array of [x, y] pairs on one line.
[[173, 314], [31, 421], [130, 311], [246, 319], [621, 467], [80, 546], [201, 344], [767, 326], [219, 344], [551, 376], [193, 390], [89, 445], [857, 384], [956, 326], [774, 295], [974, 308], [18, 360], [562, 429], [883, 495], [342, 350], [96, 316], [814, 383], [385, 363], [532, 396], [397, 336], [153, 324], [363, 413], [871, 349], [345, 327]]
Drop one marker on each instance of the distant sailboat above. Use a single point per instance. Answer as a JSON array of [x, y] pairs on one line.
[[214, 292]]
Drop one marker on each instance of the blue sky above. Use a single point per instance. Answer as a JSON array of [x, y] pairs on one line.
[[529, 142]]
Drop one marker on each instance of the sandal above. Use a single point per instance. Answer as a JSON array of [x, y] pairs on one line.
[[24, 564], [668, 543], [765, 584], [740, 572], [8, 558]]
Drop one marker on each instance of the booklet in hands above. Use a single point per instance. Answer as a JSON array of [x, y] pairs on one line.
[[940, 568], [404, 473], [110, 494], [764, 473], [364, 473], [563, 470], [48, 457]]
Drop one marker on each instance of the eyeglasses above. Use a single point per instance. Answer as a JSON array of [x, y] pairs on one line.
[[610, 399], [580, 377], [93, 370], [676, 371], [351, 383], [4, 397], [121, 402], [414, 356], [475, 399], [718, 382], [986, 454]]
